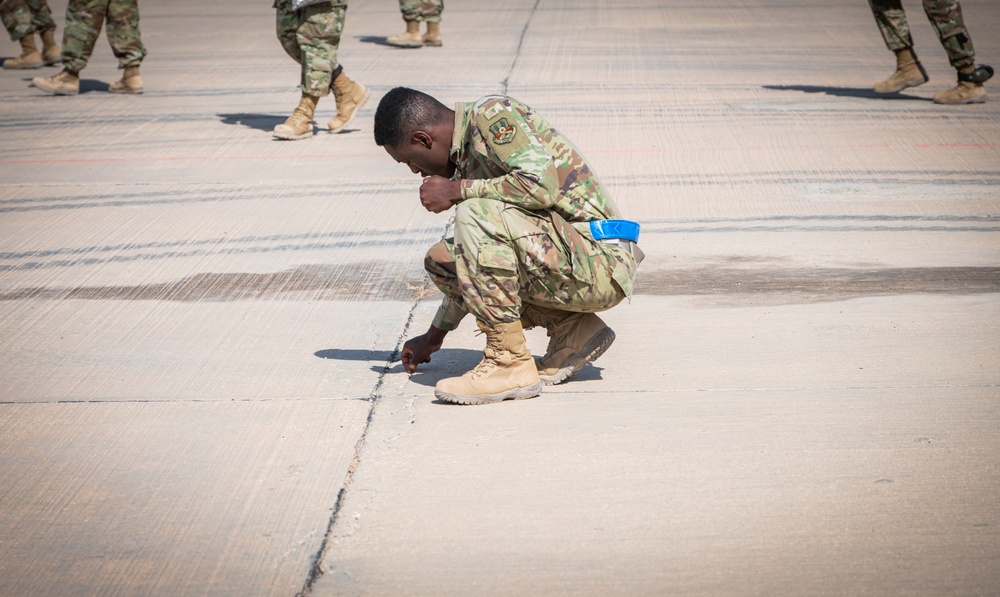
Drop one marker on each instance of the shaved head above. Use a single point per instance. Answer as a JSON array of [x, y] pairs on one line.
[[403, 111]]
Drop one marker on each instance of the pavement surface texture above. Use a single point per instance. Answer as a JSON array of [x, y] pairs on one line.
[[200, 391]]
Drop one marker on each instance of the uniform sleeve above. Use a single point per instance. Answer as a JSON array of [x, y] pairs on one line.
[[531, 181]]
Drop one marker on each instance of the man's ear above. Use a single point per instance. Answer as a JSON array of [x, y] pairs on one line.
[[422, 138]]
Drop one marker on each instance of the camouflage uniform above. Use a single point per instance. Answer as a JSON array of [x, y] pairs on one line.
[[311, 36], [24, 17], [945, 15], [521, 232], [422, 10], [83, 24]]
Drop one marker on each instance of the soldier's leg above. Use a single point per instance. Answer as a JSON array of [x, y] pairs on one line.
[[946, 16], [892, 24], [123, 32], [318, 35], [16, 17], [895, 30], [84, 19], [41, 16], [505, 255], [410, 9], [286, 24]]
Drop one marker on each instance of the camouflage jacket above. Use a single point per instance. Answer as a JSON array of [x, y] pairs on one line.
[[506, 151]]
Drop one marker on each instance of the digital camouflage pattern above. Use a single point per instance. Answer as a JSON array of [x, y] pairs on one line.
[[421, 10], [521, 232], [83, 25], [23, 17], [945, 15], [311, 36]]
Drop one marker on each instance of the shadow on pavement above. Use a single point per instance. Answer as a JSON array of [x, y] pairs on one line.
[[865, 93], [260, 122], [380, 40]]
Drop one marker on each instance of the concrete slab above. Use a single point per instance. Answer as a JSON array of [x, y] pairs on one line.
[[197, 323]]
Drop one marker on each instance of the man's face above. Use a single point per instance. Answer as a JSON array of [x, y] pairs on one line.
[[423, 156]]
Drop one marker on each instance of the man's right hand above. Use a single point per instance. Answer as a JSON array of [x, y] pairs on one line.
[[419, 350]]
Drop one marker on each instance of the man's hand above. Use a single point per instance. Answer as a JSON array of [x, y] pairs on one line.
[[418, 350], [438, 194]]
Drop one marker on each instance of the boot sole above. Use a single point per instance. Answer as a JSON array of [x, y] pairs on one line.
[[415, 44], [591, 351], [971, 100], [59, 91], [515, 394], [127, 91], [25, 66], [361, 104]]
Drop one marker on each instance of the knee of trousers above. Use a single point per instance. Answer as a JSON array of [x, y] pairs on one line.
[[439, 261]]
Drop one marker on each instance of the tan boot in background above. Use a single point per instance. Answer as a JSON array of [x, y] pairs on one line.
[[29, 58], [968, 91], [50, 49], [575, 339], [300, 124], [909, 73], [433, 35], [409, 39], [130, 82], [64, 83], [507, 371], [350, 97]]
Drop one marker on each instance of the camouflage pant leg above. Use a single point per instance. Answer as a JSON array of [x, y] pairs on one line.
[[16, 17], [286, 23], [313, 41], [422, 10], [123, 32], [41, 15], [946, 16], [84, 19], [891, 21], [502, 255]]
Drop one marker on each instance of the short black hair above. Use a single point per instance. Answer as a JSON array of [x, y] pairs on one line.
[[403, 111]]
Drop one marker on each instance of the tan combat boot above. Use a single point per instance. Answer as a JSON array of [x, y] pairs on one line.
[[130, 82], [433, 35], [50, 49], [64, 83], [575, 339], [968, 90], [300, 124], [909, 73], [350, 97], [506, 372], [29, 58], [410, 39]]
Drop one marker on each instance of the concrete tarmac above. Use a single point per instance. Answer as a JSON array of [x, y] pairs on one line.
[[199, 325]]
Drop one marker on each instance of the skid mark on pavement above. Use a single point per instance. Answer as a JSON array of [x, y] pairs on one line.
[[388, 281]]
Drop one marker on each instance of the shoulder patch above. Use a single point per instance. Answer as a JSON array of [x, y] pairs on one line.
[[501, 132]]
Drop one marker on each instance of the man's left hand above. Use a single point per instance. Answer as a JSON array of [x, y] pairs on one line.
[[438, 194]]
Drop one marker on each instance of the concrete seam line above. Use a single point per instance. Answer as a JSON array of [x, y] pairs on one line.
[[315, 572], [520, 43]]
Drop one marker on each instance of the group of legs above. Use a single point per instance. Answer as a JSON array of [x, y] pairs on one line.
[[949, 24], [84, 20]]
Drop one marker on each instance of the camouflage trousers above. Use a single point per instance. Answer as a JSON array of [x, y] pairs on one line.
[[502, 256], [945, 15], [422, 10], [24, 17], [311, 36], [83, 25]]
